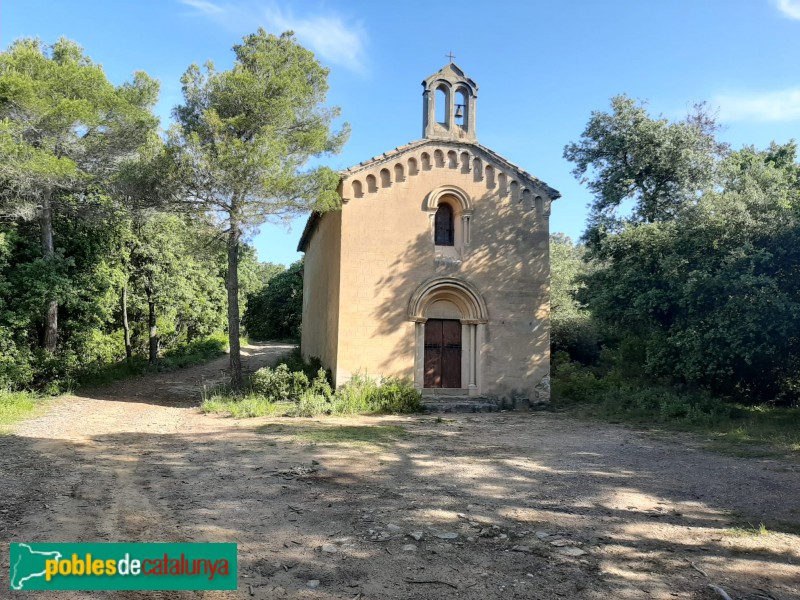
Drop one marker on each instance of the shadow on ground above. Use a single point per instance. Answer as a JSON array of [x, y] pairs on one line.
[[508, 506]]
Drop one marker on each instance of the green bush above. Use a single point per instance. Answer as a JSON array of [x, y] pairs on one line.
[[576, 334], [310, 404], [279, 383], [356, 395], [100, 348], [321, 386], [211, 346], [178, 357], [396, 395], [283, 391], [310, 367], [363, 395], [276, 311], [606, 391], [16, 368]]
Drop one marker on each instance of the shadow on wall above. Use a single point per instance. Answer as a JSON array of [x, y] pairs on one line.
[[507, 261]]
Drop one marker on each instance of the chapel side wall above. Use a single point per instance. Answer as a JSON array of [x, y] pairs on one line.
[[320, 331], [388, 251]]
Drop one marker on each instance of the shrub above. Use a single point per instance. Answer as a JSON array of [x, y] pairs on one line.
[[279, 383], [16, 368], [291, 393], [310, 367], [276, 311], [617, 395], [362, 394], [396, 395], [577, 335], [208, 347], [310, 404], [320, 385]]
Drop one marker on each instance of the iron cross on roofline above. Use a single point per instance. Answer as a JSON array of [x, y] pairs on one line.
[[451, 56]]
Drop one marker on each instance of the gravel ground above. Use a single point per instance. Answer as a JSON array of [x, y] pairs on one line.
[[500, 505]]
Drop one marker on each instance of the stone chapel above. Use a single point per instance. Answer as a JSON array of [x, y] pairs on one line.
[[437, 266]]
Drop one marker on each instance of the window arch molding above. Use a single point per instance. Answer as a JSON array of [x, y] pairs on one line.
[[463, 199], [462, 213]]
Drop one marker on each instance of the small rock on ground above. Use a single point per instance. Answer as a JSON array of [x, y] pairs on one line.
[[571, 551]]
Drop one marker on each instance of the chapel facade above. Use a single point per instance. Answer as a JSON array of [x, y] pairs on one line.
[[437, 266]]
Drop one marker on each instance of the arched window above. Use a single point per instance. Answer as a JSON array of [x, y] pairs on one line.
[[444, 230], [527, 200], [426, 161], [452, 159], [465, 162], [502, 181], [442, 105], [461, 108], [477, 170], [489, 177]]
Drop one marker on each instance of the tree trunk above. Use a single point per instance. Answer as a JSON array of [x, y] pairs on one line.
[[126, 329], [153, 330], [48, 252], [232, 283]]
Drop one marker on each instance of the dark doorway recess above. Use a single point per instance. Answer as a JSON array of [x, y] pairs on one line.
[[442, 353]]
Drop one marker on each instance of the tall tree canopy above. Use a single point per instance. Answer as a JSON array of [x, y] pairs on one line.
[[276, 310], [241, 141], [700, 285], [571, 327], [63, 130], [657, 165]]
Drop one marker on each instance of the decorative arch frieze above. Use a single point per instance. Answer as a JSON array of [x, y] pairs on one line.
[[479, 167]]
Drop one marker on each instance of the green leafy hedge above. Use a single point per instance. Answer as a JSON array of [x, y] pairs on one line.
[[290, 391]]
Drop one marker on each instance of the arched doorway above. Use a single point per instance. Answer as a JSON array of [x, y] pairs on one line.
[[450, 317], [442, 354]]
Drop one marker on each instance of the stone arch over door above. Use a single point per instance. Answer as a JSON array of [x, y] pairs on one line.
[[451, 299]]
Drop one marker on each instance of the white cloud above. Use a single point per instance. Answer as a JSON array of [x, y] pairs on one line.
[[203, 6], [332, 37], [328, 35], [790, 8], [781, 105]]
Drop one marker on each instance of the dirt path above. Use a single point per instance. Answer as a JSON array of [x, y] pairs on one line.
[[509, 505]]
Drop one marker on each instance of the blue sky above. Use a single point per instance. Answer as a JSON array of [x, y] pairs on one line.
[[542, 66]]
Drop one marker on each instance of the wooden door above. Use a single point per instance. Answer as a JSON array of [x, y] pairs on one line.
[[442, 353]]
